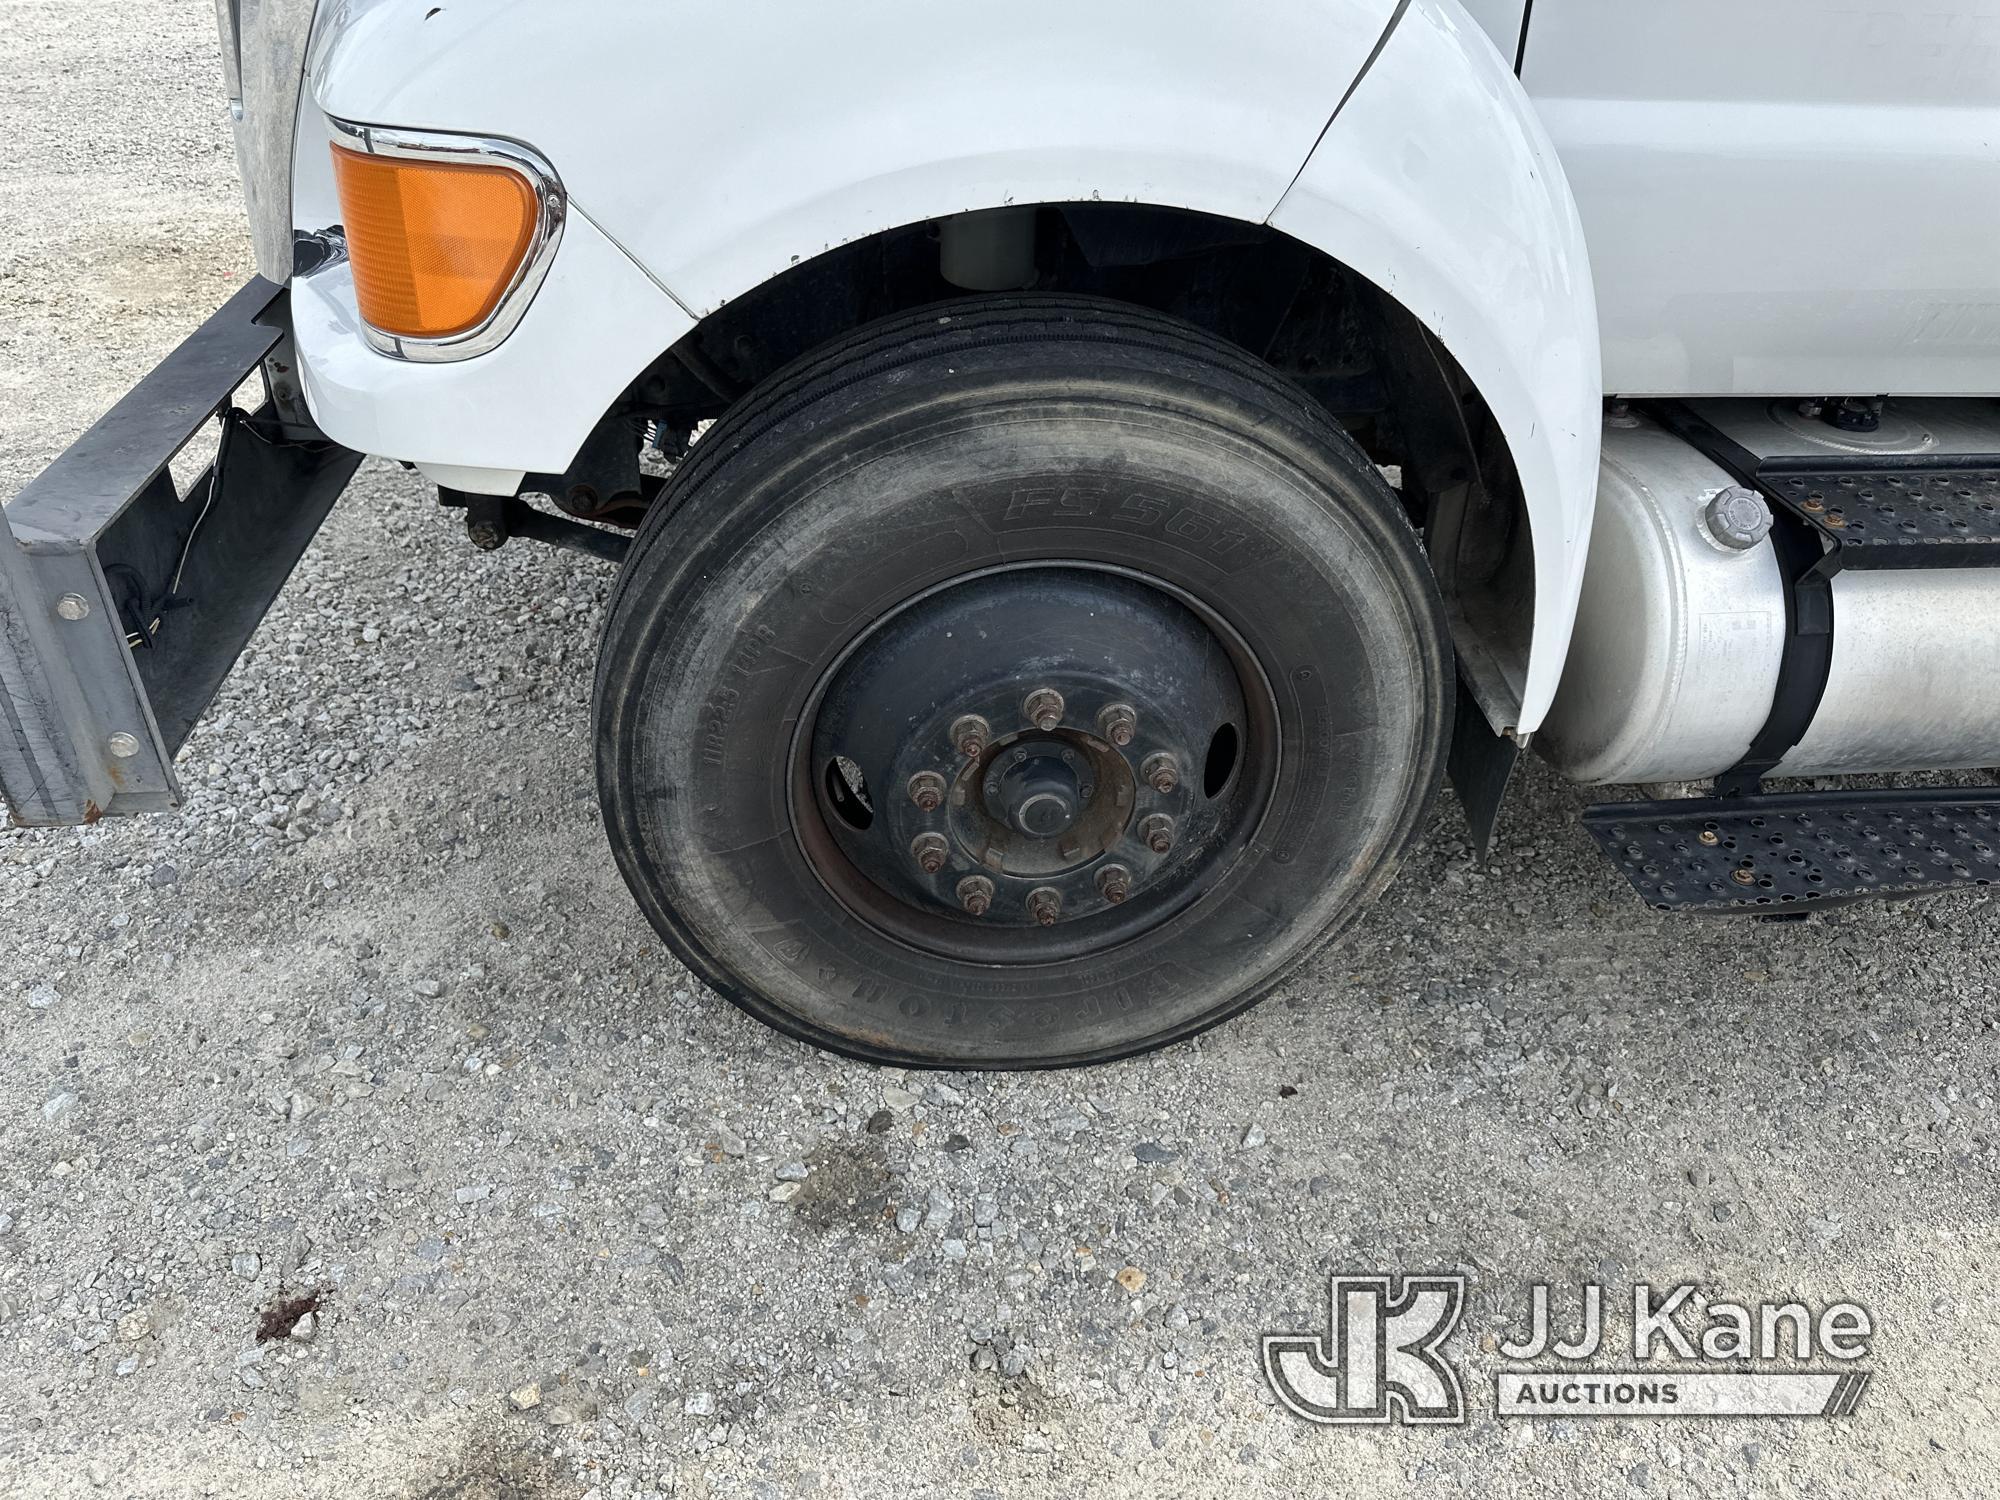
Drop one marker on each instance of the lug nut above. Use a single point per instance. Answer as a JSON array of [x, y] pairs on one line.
[[1118, 723], [971, 734], [1114, 883], [927, 790], [1157, 833], [975, 894], [1045, 905], [930, 850], [1161, 772], [1044, 708]]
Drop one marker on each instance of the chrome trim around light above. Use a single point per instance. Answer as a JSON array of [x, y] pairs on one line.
[[427, 145], [313, 253]]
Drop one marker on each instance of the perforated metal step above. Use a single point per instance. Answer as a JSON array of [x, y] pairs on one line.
[[1762, 854], [1909, 516]]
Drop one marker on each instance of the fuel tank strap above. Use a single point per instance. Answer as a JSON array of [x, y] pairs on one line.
[[1806, 665], [1807, 564]]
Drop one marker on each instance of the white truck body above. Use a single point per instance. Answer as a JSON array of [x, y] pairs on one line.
[[1784, 196]]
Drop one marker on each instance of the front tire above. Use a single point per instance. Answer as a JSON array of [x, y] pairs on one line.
[[1018, 683]]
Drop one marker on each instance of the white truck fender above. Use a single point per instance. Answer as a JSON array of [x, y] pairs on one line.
[[1437, 183], [483, 424], [797, 126], [723, 143], [711, 146]]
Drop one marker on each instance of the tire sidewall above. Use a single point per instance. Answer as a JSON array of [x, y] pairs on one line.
[[794, 544]]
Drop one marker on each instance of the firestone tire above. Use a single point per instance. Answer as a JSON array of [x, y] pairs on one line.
[[1086, 442]]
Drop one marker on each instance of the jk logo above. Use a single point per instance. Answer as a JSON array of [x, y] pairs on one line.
[[1379, 1360]]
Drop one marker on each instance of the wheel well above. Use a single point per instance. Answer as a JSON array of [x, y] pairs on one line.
[[1341, 339]]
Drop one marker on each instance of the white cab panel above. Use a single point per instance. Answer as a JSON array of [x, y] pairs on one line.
[[723, 142], [1783, 197], [1437, 184]]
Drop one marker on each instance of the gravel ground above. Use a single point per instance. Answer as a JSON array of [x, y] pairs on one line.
[[372, 1026]]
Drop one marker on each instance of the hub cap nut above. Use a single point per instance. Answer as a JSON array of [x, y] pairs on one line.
[[971, 734], [930, 851], [1045, 905], [1044, 708], [975, 894], [1157, 832], [1118, 723]]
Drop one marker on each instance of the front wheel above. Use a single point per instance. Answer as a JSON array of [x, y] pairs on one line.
[[1016, 684]]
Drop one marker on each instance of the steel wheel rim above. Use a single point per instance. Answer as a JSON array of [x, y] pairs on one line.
[[929, 911]]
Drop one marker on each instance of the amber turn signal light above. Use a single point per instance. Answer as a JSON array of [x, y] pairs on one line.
[[435, 245]]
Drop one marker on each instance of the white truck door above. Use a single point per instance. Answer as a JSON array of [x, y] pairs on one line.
[[1783, 197]]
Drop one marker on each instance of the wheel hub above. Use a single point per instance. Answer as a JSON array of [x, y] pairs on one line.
[[1035, 804], [1031, 752], [1039, 794]]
